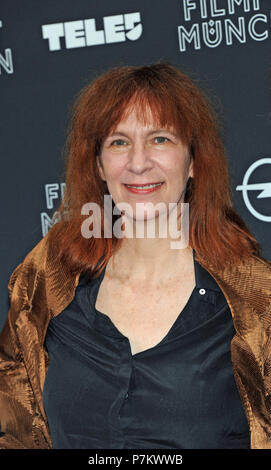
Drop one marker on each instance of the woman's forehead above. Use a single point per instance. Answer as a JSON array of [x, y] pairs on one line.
[[145, 116]]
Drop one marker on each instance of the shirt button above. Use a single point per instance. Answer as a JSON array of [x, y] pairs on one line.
[[202, 291]]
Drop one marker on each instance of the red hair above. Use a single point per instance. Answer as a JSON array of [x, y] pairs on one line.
[[217, 232]]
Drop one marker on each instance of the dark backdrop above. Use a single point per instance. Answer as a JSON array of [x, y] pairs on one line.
[[50, 49]]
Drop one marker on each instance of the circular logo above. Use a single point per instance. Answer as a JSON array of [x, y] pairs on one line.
[[265, 189]]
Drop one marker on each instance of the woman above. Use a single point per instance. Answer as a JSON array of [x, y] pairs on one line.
[[126, 341]]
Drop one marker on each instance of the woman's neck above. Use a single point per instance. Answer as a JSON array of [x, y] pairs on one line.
[[149, 260]]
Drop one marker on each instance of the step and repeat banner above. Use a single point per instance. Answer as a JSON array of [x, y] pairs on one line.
[[50, 49]]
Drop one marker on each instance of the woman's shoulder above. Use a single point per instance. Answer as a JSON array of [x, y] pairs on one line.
[[39, 257], [250, 282], [246, 281], [251, 267], [262, 262], [38, 263], [258, 269], [33, 260], [42, 276], [252, 273]]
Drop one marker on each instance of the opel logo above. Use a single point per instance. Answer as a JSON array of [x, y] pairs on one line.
[[265, 189]]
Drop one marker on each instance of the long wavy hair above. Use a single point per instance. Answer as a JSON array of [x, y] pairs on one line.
[[216, 232]]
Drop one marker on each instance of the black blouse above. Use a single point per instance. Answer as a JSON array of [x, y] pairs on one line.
[[179, 394]]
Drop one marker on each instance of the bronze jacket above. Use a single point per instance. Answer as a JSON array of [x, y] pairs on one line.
[[40, 288]]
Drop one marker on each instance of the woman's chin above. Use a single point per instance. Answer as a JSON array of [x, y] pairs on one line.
[[146, 219]]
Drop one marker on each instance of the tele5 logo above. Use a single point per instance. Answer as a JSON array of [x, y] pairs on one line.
[[82, 33]]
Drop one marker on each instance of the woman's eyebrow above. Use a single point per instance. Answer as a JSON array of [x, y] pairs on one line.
[[154, 131]]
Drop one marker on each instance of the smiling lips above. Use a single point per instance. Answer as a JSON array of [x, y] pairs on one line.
[[143, 188]]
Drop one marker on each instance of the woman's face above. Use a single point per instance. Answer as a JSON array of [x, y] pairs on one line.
[[142, 155]]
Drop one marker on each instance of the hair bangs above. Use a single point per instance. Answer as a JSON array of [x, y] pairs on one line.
[[152, 106]]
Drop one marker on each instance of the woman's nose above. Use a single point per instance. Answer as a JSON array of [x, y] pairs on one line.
[[138, 158]]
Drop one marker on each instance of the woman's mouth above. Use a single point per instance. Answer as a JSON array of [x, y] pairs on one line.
[[143, 188]]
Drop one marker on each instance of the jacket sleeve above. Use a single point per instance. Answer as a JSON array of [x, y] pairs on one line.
[[16, 397], [22, 421]]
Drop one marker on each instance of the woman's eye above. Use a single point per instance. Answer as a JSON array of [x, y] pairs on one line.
[[161, 139], [119, 141]]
